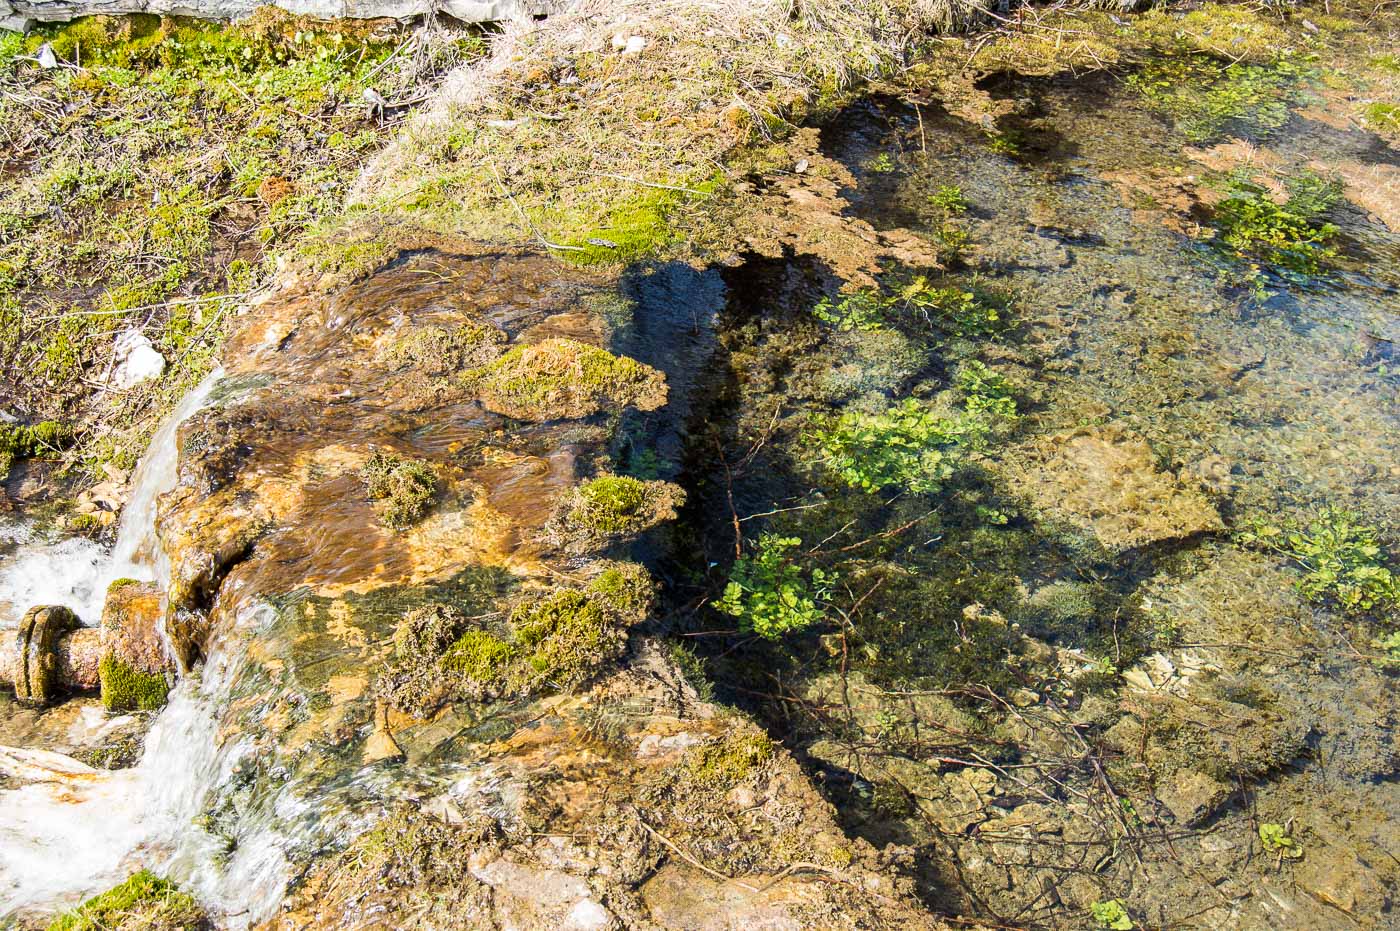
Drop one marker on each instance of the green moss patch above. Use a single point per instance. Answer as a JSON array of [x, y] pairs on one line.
[[563, 378], [725, 763], [125, 688], [610, 508], [152, 179], [144, 901], [22, 442], [402, 489]]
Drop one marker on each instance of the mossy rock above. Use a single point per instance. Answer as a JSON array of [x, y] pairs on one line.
[[144, 901], [563, 378], [441, 350], [402, 489], [125, 688], [612, 508], [479, 655]]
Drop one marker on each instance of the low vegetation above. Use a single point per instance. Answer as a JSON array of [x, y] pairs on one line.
[[948, 311], [908, 445], [1111, 914], [1289, 237], [144, 901], [24, 442], [152, 177], [402, 489], [1277, 840], [1340, 556], [771, 593], [1207, 98]]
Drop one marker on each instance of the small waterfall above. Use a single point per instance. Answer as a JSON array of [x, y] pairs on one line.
[[75, 832]]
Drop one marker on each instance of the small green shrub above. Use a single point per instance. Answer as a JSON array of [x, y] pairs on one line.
[[402, 489], [770, 594], [144, 901], [1340, 556], [1111, 914], [1276, 840], [882, 163]]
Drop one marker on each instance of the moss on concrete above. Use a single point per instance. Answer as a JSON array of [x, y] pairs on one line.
[[125, 688]]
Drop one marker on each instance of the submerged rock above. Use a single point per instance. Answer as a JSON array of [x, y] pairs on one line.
[[1108, 482]]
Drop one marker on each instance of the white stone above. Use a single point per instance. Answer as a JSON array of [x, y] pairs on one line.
[[587, 915], [137, 360]]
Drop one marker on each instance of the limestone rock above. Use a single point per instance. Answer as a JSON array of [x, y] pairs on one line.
[[131, 619]]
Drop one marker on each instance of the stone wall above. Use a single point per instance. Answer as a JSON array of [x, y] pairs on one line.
[[23, 14]]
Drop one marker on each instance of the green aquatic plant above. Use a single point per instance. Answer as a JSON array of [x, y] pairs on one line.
[[949, 310], [1205, 97], [1382, 117], [907, 445], [771, 594], [402, 489], [144, 901], [1389, 645], [880, 164], [950, 199], [478, 655], [1277, 840], [1341, 558], [1289, 237], [1111, 914]]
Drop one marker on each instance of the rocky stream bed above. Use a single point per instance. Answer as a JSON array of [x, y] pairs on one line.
[[993, 525]]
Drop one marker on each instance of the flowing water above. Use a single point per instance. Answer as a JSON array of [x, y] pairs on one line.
[[65, 835], [1123, 330]]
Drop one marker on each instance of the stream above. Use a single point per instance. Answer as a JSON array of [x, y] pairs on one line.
[[1053, 675]]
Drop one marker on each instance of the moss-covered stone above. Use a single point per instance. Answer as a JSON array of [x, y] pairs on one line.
[[611, 508], [567, 636], [439, 350], [402, 489], [730, 760], [563, 378], [145, 901], [125, 688]]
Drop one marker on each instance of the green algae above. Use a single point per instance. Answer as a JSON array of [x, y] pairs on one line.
[[143, 901]]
